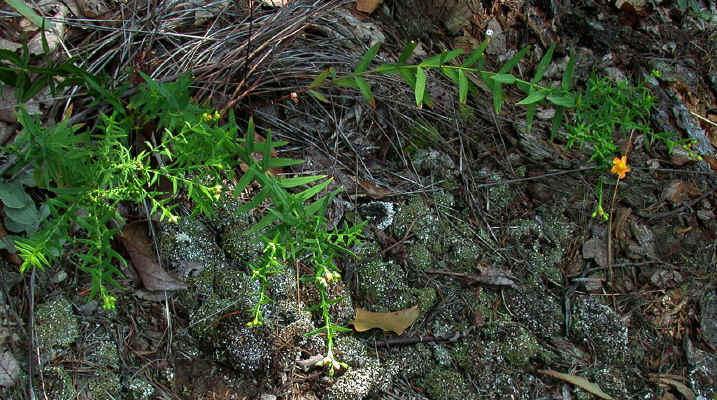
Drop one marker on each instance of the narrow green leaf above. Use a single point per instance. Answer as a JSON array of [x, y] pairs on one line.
[[319, 96], [310, 192], [281, 162], [450, 73], [243, 182], [513, 61], [564, 100], [11, 56], [567, 81], [387, 69], [462, 87], [367, 58], [503, 78], [476, 55], [498, 97], [346, 82], [544, 63], [407, 51], [255, 201], [266, 157], [320, 204], [408, 77], [299, 180], [365, 90], [420, 89], [448, 56], [285, 218], [535, 96], [529, 115], [319, 80], [267, 220], [432, 61], [35, 88], [21, 7]]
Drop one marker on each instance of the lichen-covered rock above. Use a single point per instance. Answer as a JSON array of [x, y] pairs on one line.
[[242, 246], [104, 386], [189, 246], [56, 324], [601, 327], [357, 383], [445, 384], [140, 389], [539, 312], [57, 384], [517, 345], [245, 349], [382, 284]]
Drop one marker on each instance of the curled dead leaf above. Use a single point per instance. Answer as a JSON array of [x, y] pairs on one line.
[[139, 247], [578, 381], [396, 321], [372, 190]]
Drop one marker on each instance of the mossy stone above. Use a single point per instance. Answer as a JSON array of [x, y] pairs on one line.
[[445, 384], [601, 327], [56, 324], [104, 386]]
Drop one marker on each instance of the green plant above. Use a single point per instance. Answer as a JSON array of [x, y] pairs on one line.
[[295, 229], [463, 75], [85, 172]]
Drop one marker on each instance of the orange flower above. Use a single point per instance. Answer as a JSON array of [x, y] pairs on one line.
[[620, 167]]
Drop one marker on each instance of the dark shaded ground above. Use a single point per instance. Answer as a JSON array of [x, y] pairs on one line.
[[464, 191]]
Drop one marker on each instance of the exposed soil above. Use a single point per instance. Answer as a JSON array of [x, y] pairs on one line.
[[483, 225]]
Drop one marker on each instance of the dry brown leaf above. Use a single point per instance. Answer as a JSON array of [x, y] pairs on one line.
[[135, 240], [367, 6], [372, 190], [396, 321], [678, 191], [685, 391], [276, 3], [578, 381]]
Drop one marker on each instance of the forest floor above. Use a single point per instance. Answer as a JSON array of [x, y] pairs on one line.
[[493, 231]]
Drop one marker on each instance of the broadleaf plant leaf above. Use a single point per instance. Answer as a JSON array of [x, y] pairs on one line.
[[365, 90], [367, 58], [27, 12], [420, 89], [462, 87], [407, 51], [544, 63]]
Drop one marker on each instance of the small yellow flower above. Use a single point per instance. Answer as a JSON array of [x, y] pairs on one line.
[[109, 302], [620, 167]]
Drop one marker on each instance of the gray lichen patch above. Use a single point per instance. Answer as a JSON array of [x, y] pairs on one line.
[[188, 245], [383, 285], [539, 312], [201, 320], [56, 324], [487, 363], [357, 383], [140, 389], [240, 245], [599, 326], [57, 384], [245, 349], [104, 386], [516, 344], [445, 384], [542, 242], [104, 353]]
